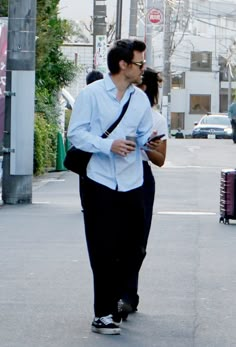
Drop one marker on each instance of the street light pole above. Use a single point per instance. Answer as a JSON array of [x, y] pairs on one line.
[[19, 110]]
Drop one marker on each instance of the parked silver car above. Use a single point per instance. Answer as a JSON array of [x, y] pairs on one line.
[[216, 126]]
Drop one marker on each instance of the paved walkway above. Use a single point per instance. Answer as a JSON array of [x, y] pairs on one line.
[[188, 280]]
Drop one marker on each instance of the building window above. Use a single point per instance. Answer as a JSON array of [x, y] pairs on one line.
[[201, 61], [177, 120], [200, 104], [178, 81]]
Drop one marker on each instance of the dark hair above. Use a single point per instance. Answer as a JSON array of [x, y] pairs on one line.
[[150, 79], [123, 50], [93, 75]]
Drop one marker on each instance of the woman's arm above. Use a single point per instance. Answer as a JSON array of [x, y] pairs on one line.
[[158, 155]]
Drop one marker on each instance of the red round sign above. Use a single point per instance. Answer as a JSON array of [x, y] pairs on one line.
[[155, 16]]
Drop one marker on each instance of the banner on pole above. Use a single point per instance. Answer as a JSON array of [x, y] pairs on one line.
[[3, 60], [100, 58]]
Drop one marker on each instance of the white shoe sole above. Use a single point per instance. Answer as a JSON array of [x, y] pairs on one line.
[[104, 331], [118, 324]]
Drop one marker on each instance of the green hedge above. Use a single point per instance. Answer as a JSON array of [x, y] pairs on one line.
[[45, 145]]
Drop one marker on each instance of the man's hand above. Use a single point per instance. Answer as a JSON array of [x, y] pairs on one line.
[[123, 147]]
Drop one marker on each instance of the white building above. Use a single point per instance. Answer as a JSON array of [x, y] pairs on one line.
[[199, 64], [204, 44]]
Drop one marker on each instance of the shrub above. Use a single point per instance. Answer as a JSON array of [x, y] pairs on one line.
[[45, 144]]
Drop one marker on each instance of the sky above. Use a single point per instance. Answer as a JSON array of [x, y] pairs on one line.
[[82, 10]]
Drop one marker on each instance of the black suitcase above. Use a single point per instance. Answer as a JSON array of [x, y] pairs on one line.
[[227, 195]]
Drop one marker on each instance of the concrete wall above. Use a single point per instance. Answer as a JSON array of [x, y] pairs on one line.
[[201, 83], [178, 100]]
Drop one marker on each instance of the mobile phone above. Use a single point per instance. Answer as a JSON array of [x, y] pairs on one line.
[[156, 137]]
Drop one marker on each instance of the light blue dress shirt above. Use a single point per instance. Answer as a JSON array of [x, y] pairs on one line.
[[95, 109]]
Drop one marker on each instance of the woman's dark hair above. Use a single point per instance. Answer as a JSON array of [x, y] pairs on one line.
[[93, 76], [151, 79], [123, 50]]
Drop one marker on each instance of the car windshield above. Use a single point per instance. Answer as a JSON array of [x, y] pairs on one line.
[[215, 120]]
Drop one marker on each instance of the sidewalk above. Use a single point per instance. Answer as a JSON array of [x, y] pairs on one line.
[[37, 181], [43, 253]]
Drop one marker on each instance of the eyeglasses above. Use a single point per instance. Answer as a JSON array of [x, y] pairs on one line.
[[140, 64]]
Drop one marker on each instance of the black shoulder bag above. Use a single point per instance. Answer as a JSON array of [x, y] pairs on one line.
[[77, 160]]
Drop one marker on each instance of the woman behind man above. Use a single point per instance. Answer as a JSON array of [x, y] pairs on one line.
[[150, 85]]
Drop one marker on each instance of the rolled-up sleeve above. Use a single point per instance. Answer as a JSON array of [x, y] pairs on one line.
[[79, 130]]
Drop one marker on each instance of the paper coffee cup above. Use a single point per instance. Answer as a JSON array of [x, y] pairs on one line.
[[131, 138]]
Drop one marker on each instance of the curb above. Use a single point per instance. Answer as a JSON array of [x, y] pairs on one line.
[[38, 181]]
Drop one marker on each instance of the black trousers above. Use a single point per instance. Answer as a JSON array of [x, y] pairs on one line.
[[81, 190], [114, 228], [148, 193], [148, 197]]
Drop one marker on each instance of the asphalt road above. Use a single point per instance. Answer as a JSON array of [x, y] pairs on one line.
[[188, 279]]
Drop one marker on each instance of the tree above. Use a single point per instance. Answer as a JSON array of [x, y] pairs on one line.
[[76, 32], [111, 27], [53, 72], [4, 8]]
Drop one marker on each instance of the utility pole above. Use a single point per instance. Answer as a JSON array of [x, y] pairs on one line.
[[118, 19], [166, 93], [133, 19], [19, 111], [100, 35]]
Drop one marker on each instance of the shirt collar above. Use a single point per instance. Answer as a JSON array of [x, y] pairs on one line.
[[110, 86]]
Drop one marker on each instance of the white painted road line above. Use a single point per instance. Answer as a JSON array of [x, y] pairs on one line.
[[190, 213]]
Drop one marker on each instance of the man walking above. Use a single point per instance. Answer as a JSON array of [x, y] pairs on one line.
[[232, 117], [113, 203]]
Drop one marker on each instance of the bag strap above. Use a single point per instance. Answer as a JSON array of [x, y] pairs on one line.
[[112, 127]]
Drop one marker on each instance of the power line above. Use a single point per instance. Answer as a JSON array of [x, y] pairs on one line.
[[215, 25]]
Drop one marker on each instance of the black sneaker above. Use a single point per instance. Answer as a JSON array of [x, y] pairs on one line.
[[105, 325]]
